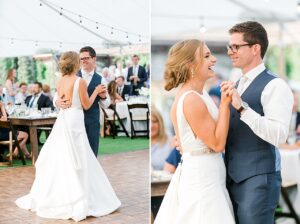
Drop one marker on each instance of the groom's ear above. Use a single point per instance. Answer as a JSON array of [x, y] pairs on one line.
[[256, 49]]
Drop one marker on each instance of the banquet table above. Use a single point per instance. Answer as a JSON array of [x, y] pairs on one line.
[[32, 124]]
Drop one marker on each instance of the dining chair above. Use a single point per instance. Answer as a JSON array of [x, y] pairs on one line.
[[134, 118]]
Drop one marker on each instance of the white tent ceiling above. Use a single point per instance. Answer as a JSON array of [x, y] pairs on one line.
[[26, 27], [176, 19]]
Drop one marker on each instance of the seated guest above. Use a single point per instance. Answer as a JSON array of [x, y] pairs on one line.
[[22, 136], [161, 147], [22, 94], [122, 88], [112, 92], [172, 161], [161, 142], [38, 99], [136, 75]]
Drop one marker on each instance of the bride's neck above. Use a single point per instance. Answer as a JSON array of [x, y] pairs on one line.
[[194, 85]]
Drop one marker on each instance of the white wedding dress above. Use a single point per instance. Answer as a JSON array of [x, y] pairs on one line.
[[69, 181], [197, 193]]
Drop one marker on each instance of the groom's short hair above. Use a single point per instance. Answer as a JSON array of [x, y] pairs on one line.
[[89, 49], [254, 33]]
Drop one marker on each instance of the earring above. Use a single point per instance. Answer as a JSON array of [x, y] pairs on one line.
[[192, 71]]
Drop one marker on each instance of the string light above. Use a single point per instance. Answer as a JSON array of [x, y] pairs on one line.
[[202, 27], [60, 9], [80, 20], [60, 44], [12, 41], [36, 43]]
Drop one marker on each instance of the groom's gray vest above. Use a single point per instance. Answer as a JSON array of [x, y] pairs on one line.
[[246, 154]]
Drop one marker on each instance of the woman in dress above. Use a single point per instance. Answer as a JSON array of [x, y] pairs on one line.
[[197, 192], [70, 183], [10, 86]]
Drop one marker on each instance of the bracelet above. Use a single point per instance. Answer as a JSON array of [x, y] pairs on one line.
[[103, 98]]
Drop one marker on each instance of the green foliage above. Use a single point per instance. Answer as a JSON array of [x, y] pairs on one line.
[[291, 57], [6, 64]]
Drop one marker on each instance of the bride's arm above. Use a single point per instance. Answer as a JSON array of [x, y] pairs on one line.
[[212, 133], [85, 100]]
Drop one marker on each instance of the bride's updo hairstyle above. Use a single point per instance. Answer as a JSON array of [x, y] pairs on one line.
[[180, 57], [69, 62]]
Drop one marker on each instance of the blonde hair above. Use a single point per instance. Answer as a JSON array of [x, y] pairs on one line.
[[181, 56], [10, 74], [162, 135], [69, 62]]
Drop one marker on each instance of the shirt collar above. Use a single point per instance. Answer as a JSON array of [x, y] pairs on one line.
[[253, 73], [84, 73]]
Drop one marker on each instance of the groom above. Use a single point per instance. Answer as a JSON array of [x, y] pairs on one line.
[[91, 116], [259, 121]]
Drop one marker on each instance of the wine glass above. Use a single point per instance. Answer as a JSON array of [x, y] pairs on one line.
[[126, 97]]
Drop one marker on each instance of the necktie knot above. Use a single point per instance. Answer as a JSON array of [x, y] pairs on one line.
[[242, 82]]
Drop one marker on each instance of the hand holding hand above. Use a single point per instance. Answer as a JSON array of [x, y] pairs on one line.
[[227, 89]]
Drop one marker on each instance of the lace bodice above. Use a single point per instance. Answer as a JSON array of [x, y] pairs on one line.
[[189, 142]]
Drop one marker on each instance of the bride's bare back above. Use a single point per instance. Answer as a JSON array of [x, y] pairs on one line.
[[65, 87]]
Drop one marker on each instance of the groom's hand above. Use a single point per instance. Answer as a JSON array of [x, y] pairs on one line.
[[176, 144], [63, 103], [236, 100]]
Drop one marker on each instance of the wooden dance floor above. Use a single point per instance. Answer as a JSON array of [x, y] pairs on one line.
[[127, 172]]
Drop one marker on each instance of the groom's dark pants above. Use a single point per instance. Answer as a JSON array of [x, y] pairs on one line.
[[255, 199], [93, 133]]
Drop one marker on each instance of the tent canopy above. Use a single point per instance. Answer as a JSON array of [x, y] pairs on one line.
[[281, 19], [31, 25]]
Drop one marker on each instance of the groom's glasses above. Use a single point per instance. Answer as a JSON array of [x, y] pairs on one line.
[[85, 58], [235, 47]]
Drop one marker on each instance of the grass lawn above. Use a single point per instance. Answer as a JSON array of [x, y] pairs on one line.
[[107, 145]]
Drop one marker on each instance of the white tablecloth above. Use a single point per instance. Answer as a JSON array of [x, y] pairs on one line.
[[290, 171], [123, 112]]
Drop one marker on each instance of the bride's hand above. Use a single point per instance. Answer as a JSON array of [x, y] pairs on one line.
[[227, 89], [101, 89]]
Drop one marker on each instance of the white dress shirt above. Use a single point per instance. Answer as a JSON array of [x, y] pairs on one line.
[[87, 76], [20, 98], [277, 103], [34, 99]]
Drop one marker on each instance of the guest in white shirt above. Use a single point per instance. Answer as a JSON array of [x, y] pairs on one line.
[[22, 94]]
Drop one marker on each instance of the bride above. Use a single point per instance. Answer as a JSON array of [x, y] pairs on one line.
[[197, 192], [69, 181]]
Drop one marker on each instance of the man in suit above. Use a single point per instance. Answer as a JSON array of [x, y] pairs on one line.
[[136, 75], [38, 99], [91, 116], [259, 121], [122, 88]]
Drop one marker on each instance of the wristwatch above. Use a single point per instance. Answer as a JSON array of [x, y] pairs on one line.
[[244, 106]]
